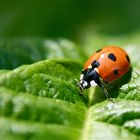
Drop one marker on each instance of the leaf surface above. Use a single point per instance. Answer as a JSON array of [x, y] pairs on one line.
[[44, 96]]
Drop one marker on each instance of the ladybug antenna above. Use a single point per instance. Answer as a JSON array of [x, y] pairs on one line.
[[76, 82], [79, 85]]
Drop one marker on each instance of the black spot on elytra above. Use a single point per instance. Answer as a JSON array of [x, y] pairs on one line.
[[115, 72], [112, 57], [128, 59], [95, 64], [98, 50]]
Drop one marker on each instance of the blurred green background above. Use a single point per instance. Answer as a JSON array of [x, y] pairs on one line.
[[41, 101], [68, 18], [35, 30]]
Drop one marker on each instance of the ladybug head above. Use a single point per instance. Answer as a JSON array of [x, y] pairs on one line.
[[88, 78], [83, 84]]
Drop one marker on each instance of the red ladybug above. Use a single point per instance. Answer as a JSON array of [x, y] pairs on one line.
[[108, 64]]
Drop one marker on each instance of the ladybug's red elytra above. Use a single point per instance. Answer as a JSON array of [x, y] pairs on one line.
[[108, 64]]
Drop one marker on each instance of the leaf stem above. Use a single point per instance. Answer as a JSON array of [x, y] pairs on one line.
[[91, 94], [86, 127]]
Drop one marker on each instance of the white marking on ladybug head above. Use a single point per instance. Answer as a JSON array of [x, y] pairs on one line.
[[81, 76], [89, 67], [92, 83], [83, 83]]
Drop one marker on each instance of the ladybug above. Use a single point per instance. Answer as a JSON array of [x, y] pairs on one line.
[[105, 65]]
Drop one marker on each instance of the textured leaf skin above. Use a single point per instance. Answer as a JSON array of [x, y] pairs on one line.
[[43, 96], [133, 126], [45, 79], [27, 51], [15, 130], [116, 113], [41, 101], [100, 131], [31, 108]]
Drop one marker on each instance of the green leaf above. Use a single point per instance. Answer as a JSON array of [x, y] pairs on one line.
[[16, 130], [38, 109], [47, 78], [130, 91], [41, 101], [100, 131], [19, 51], [133, 126]]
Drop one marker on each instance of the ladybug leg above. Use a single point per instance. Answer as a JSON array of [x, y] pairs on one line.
[[105, 91], [106, 94]]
